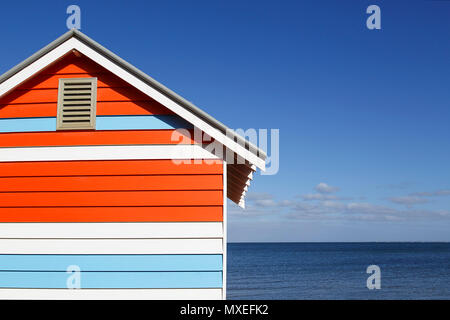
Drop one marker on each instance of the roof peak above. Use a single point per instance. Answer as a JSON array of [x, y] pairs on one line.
[[231, 137]]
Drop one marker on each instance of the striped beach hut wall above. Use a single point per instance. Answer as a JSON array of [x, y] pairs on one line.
[[105, 193]]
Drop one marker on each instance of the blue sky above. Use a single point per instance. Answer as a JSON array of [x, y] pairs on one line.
[[363, 114]]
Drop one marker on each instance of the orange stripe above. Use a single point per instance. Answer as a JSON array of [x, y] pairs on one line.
[[51, 95], [51, 81], [81, 66], [111, 108], [121, 167], [149, 107], [73, 64], [112, 183], [113, 214], [92, 138], [107, 206], [112, 198]]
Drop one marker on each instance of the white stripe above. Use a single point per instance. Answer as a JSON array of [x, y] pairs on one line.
[[148, 230], [111, 246], [137, 83], [111, 294], [105, 153]]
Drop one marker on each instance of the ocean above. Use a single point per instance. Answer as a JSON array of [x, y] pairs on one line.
[[337, 270]]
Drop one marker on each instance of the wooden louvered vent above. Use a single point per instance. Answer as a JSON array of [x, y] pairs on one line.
[[77, 100]]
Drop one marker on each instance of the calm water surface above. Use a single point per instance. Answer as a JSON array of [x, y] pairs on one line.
[[337, 270]]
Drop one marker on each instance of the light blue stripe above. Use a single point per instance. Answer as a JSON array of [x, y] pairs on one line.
[[140, 122], [148, 122], [27, 124], [110, 280], [178, 262]]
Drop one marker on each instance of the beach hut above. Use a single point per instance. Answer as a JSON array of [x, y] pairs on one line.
[[111, 183]]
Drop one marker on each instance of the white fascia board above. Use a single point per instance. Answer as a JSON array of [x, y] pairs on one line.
[[36, 66]]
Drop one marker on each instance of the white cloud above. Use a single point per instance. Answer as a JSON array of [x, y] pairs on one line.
[[328, 207], [318, 196], [408, 200], [325, 188], [443, 192], [265, 203], [422, 194], [332, 210]]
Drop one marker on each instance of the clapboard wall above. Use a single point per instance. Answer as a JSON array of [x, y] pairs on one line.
[[110, 201]]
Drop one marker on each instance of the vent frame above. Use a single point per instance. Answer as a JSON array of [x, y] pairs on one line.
[[84, 107]]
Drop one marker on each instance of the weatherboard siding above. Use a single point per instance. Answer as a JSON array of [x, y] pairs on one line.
[[95, 138], [99, 263], [140, 230], [110, 191], [107, 168], [110, 200], [128, 224], [112, 214], [111, 246], [178, 153], [113, 294], [111, 280], [152, 122]]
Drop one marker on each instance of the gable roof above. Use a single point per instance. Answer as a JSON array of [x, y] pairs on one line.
[[75, 40], [82, 38]]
